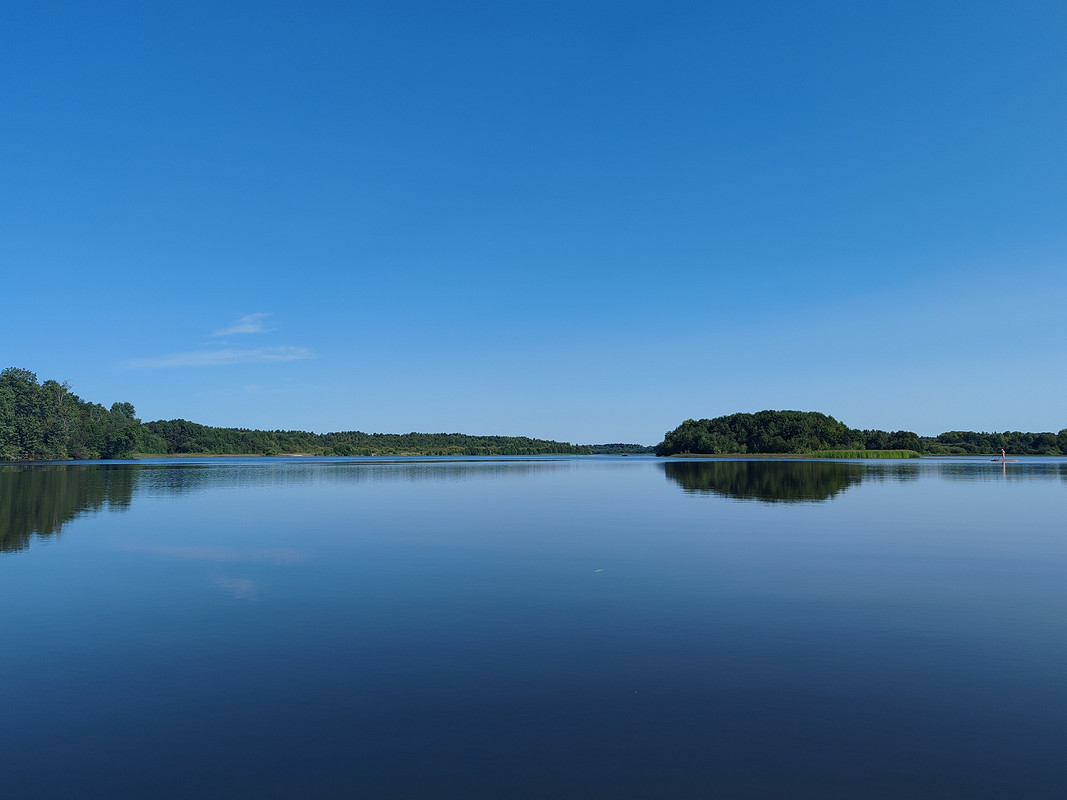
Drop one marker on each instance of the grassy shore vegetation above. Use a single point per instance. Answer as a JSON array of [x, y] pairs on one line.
[[48, 422], [809, 432]]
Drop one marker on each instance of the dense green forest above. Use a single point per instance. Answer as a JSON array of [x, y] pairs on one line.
[[804, 432], [48, 422], [175, 437], [619, 449]]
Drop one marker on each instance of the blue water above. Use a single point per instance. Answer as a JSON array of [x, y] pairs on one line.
[[534, 628]]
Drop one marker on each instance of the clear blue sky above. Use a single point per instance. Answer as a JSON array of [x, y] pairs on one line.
[[576, 220]]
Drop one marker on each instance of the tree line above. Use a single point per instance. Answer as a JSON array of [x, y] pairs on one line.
[[179, 436], [802, 432], [619, 449], [48, 422]]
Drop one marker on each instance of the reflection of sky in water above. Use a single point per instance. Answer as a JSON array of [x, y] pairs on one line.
[[239, 588], [41, 499], [576, 628], [223, 554], [280, 472]]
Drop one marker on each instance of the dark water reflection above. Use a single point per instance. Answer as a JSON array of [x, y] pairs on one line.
[[766, 480], [39, 499], [799, 481]]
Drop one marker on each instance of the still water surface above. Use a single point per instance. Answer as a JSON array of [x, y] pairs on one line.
[[534, 628]]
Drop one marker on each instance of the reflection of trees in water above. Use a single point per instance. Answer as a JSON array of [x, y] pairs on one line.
[[768, 481], [41, 499], [814, 481], [174, 479]]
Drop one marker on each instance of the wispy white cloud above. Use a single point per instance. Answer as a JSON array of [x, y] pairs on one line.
[[223, 356], [249, 323], [218, 358]]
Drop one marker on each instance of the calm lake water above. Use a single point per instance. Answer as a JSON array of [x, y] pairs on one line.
[[534, 628]]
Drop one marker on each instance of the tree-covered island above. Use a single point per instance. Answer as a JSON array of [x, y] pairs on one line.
[[812, 433]]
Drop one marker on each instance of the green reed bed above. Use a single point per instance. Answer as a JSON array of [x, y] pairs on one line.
[[865, 454]]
